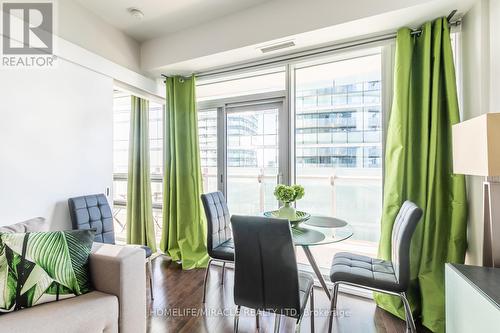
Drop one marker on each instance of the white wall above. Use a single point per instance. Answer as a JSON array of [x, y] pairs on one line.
[[481, 87], [494, 49], [56, 123], [55, 140]]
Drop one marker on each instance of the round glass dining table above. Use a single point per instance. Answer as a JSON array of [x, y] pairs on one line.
[[320, 230]]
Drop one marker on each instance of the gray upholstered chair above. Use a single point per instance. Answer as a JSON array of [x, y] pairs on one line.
[[219, 237], [266, 277], [390, 277], [93, 211]]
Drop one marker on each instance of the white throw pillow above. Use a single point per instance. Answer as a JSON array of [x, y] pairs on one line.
[[36, 224]]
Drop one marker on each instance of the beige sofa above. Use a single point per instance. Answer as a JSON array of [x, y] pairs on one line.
[[118, 303]]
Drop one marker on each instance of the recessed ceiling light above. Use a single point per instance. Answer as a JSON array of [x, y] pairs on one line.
[[136, 13]]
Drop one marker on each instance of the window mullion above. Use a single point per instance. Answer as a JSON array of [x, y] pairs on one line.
[[221, 150]]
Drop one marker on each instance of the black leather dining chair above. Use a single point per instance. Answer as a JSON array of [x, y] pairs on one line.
[[266, 277], [93, 211], [219, 236], [390, 277]]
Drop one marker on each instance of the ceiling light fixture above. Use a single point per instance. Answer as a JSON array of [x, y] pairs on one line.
[[277, 46], [136, 13]]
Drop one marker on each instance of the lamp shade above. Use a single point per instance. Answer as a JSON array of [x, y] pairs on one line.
[[476, 146]]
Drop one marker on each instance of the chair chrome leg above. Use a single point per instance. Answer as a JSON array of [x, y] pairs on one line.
[[222, 277], [150, 272], [410, 323], [236, 319], [335, 296], [257, 321], [311, 301], [205, 281], [277, 322], [297, 325], [333, 307]]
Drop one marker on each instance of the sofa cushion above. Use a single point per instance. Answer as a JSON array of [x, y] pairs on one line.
[[94, 312], [36, 224], [120, 271], [41, 267]]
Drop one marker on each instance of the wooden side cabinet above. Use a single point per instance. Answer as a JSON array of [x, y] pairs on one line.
[[472, 299]]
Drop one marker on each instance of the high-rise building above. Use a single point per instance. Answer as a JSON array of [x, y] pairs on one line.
[[337, 125]]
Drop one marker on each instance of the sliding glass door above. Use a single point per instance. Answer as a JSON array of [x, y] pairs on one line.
[[252, 156], [242, 152]]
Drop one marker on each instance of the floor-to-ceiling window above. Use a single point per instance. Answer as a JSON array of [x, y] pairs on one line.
[[207, 131], [121, 127], [315, 122], [338, 140]]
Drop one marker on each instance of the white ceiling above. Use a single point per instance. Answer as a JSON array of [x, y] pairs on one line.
[[240, 39], [162, 17], [186, 36]]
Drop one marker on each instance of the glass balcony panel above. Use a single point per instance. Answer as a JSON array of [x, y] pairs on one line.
[[325, 138], [355, 136], [355, 98], [340, 99], [372, 97], [373, 136], [339, 137], [310, 138], [324, 100]]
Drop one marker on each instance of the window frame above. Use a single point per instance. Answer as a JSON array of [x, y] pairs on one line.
[[288, 130], [123, 176], [223, 106], [386, 50]]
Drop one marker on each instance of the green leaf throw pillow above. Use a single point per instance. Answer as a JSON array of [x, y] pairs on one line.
[[41, 267]]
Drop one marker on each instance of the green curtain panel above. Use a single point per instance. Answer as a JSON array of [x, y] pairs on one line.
[[418, 167], [184, 226], [140, 225]]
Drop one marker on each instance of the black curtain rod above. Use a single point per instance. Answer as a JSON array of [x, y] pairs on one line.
[[181, 77], [448, 18]]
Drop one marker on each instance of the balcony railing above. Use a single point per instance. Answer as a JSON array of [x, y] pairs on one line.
[[330, 191], [331, 180]]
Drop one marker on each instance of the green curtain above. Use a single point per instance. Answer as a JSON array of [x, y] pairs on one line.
[[418, 167], [140, 226], [184, 226]]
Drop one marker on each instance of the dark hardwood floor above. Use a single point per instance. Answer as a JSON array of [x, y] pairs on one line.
[[177, 307]]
